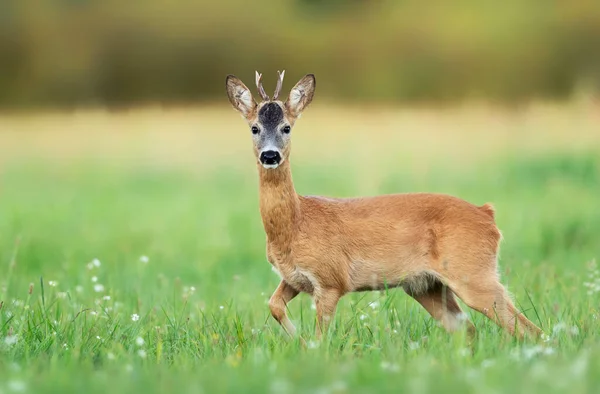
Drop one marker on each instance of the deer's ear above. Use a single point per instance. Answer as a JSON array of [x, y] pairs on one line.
[[301, 95], [240, 96]]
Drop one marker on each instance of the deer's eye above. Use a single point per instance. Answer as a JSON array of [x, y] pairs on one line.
[[255, 130], [286, 129]]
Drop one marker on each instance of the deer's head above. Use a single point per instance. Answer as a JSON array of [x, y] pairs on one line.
[[272, 120]]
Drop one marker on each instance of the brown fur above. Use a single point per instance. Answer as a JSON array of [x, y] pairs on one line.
[[434, 246]]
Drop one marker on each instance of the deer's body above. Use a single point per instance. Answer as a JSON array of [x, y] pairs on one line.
[[360, 244], [432, 245]]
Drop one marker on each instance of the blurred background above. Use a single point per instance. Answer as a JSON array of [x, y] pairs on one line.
[[128, 184], [64, 53]]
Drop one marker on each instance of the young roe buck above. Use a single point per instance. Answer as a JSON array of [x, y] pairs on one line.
[[434, 246]]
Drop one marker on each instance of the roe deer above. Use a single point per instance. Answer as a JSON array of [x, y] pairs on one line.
[[434, 246]]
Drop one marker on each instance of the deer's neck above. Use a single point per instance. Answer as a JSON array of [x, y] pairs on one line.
[[279, 205]]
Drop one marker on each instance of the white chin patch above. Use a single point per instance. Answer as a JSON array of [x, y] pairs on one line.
[[270, 166]]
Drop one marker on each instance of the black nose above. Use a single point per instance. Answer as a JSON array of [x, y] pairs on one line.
[[270, 157]]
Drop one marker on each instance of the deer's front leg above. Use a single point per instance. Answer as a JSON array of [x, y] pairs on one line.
[[326, 301], [277, 304]]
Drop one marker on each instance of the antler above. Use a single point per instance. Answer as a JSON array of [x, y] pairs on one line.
[[261, 90], [279, 84]]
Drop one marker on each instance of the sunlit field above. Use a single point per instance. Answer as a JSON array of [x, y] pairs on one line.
[[132, 255]]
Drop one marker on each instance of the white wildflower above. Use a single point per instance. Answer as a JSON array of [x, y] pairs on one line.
[[52, 283], [548, 351], [374, 305], [110, 356], [363, 317], [594, 275], [559, 327], [10, 340], [544, 337], [93, 263], [135, 317], [139, 341], [61, 294], [94, 279], [413, 345], [79, 289], [106, 298], [142, 353], [18, 303], [98, 288], [144, 259], [530, 352], [574, 331], [313, 345], [188, 290], [221, 307]]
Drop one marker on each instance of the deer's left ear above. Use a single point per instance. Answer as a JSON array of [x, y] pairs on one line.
[[301, 95], [240, 96]]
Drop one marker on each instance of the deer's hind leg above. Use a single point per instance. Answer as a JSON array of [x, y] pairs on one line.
[[491, 299], [441, 304], [478, 286]]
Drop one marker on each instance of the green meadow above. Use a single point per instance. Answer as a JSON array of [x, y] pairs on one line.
[[132, 255]]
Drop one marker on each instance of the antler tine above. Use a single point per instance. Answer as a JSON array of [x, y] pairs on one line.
[[261, 90], [279, 84]]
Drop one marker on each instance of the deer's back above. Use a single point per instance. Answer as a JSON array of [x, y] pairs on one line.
[[350, 241]]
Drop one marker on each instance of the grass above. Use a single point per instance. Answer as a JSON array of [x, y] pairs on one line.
[[132, 256]]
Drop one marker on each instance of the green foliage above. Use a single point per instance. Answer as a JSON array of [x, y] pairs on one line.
[[201, 296]]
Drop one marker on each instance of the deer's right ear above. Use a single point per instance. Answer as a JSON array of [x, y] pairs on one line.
[[240, 96]]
